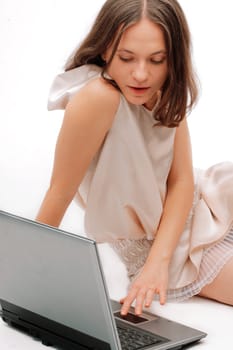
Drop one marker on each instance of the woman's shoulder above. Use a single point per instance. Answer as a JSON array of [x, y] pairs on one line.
[[98, 97], [103, 89], [96, 103]]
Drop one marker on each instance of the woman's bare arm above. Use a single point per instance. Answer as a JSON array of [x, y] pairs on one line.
[[88, 117], [180, 189], [154, 275]]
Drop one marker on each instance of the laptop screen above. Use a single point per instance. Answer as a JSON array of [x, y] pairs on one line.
[[56, 275]]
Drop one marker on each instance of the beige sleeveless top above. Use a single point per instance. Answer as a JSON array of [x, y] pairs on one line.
[[124, 189]]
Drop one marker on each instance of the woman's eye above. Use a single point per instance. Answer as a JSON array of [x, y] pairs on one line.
[[154, 61], [125, 59], [158, 61]]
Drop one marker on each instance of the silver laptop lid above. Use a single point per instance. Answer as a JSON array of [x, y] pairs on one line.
[[45, 270]]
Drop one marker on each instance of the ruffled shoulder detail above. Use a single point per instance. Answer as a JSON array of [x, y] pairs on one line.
[[66, 84]]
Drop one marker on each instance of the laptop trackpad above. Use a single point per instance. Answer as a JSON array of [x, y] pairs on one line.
[[132, 318]]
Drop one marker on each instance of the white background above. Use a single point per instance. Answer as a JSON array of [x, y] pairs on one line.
[[35, 39]]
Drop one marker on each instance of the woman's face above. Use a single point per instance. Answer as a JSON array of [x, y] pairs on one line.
[[139, 66]]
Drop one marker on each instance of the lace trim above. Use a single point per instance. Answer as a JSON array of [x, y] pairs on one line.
[[214, 259], [133, 253]]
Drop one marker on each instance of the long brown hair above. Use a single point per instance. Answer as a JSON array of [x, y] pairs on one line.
[[179, 92]]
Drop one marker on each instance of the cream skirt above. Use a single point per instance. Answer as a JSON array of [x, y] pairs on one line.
[[133, 253]]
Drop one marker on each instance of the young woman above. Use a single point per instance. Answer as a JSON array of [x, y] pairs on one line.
[[124, 153]]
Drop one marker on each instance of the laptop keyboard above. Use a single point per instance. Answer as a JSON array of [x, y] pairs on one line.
[[132, 339]]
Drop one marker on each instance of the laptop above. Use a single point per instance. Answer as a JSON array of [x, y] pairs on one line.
[[53, 287]]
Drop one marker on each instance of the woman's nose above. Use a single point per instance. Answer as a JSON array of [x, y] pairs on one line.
[[140, 73]]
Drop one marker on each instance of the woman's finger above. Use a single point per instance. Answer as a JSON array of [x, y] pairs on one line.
[[127, 301], [162, 296], [140, 298], [149, 297]]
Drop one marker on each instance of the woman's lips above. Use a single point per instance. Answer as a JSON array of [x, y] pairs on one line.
[[138, 90]]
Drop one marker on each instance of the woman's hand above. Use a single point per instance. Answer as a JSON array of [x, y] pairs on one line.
[[153, 279]]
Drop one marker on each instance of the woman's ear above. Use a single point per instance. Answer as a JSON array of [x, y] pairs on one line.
[[107, 54], [103, 56]]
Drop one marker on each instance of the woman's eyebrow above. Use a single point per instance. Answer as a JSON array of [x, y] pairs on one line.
[[153, 54], [159, 52]]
